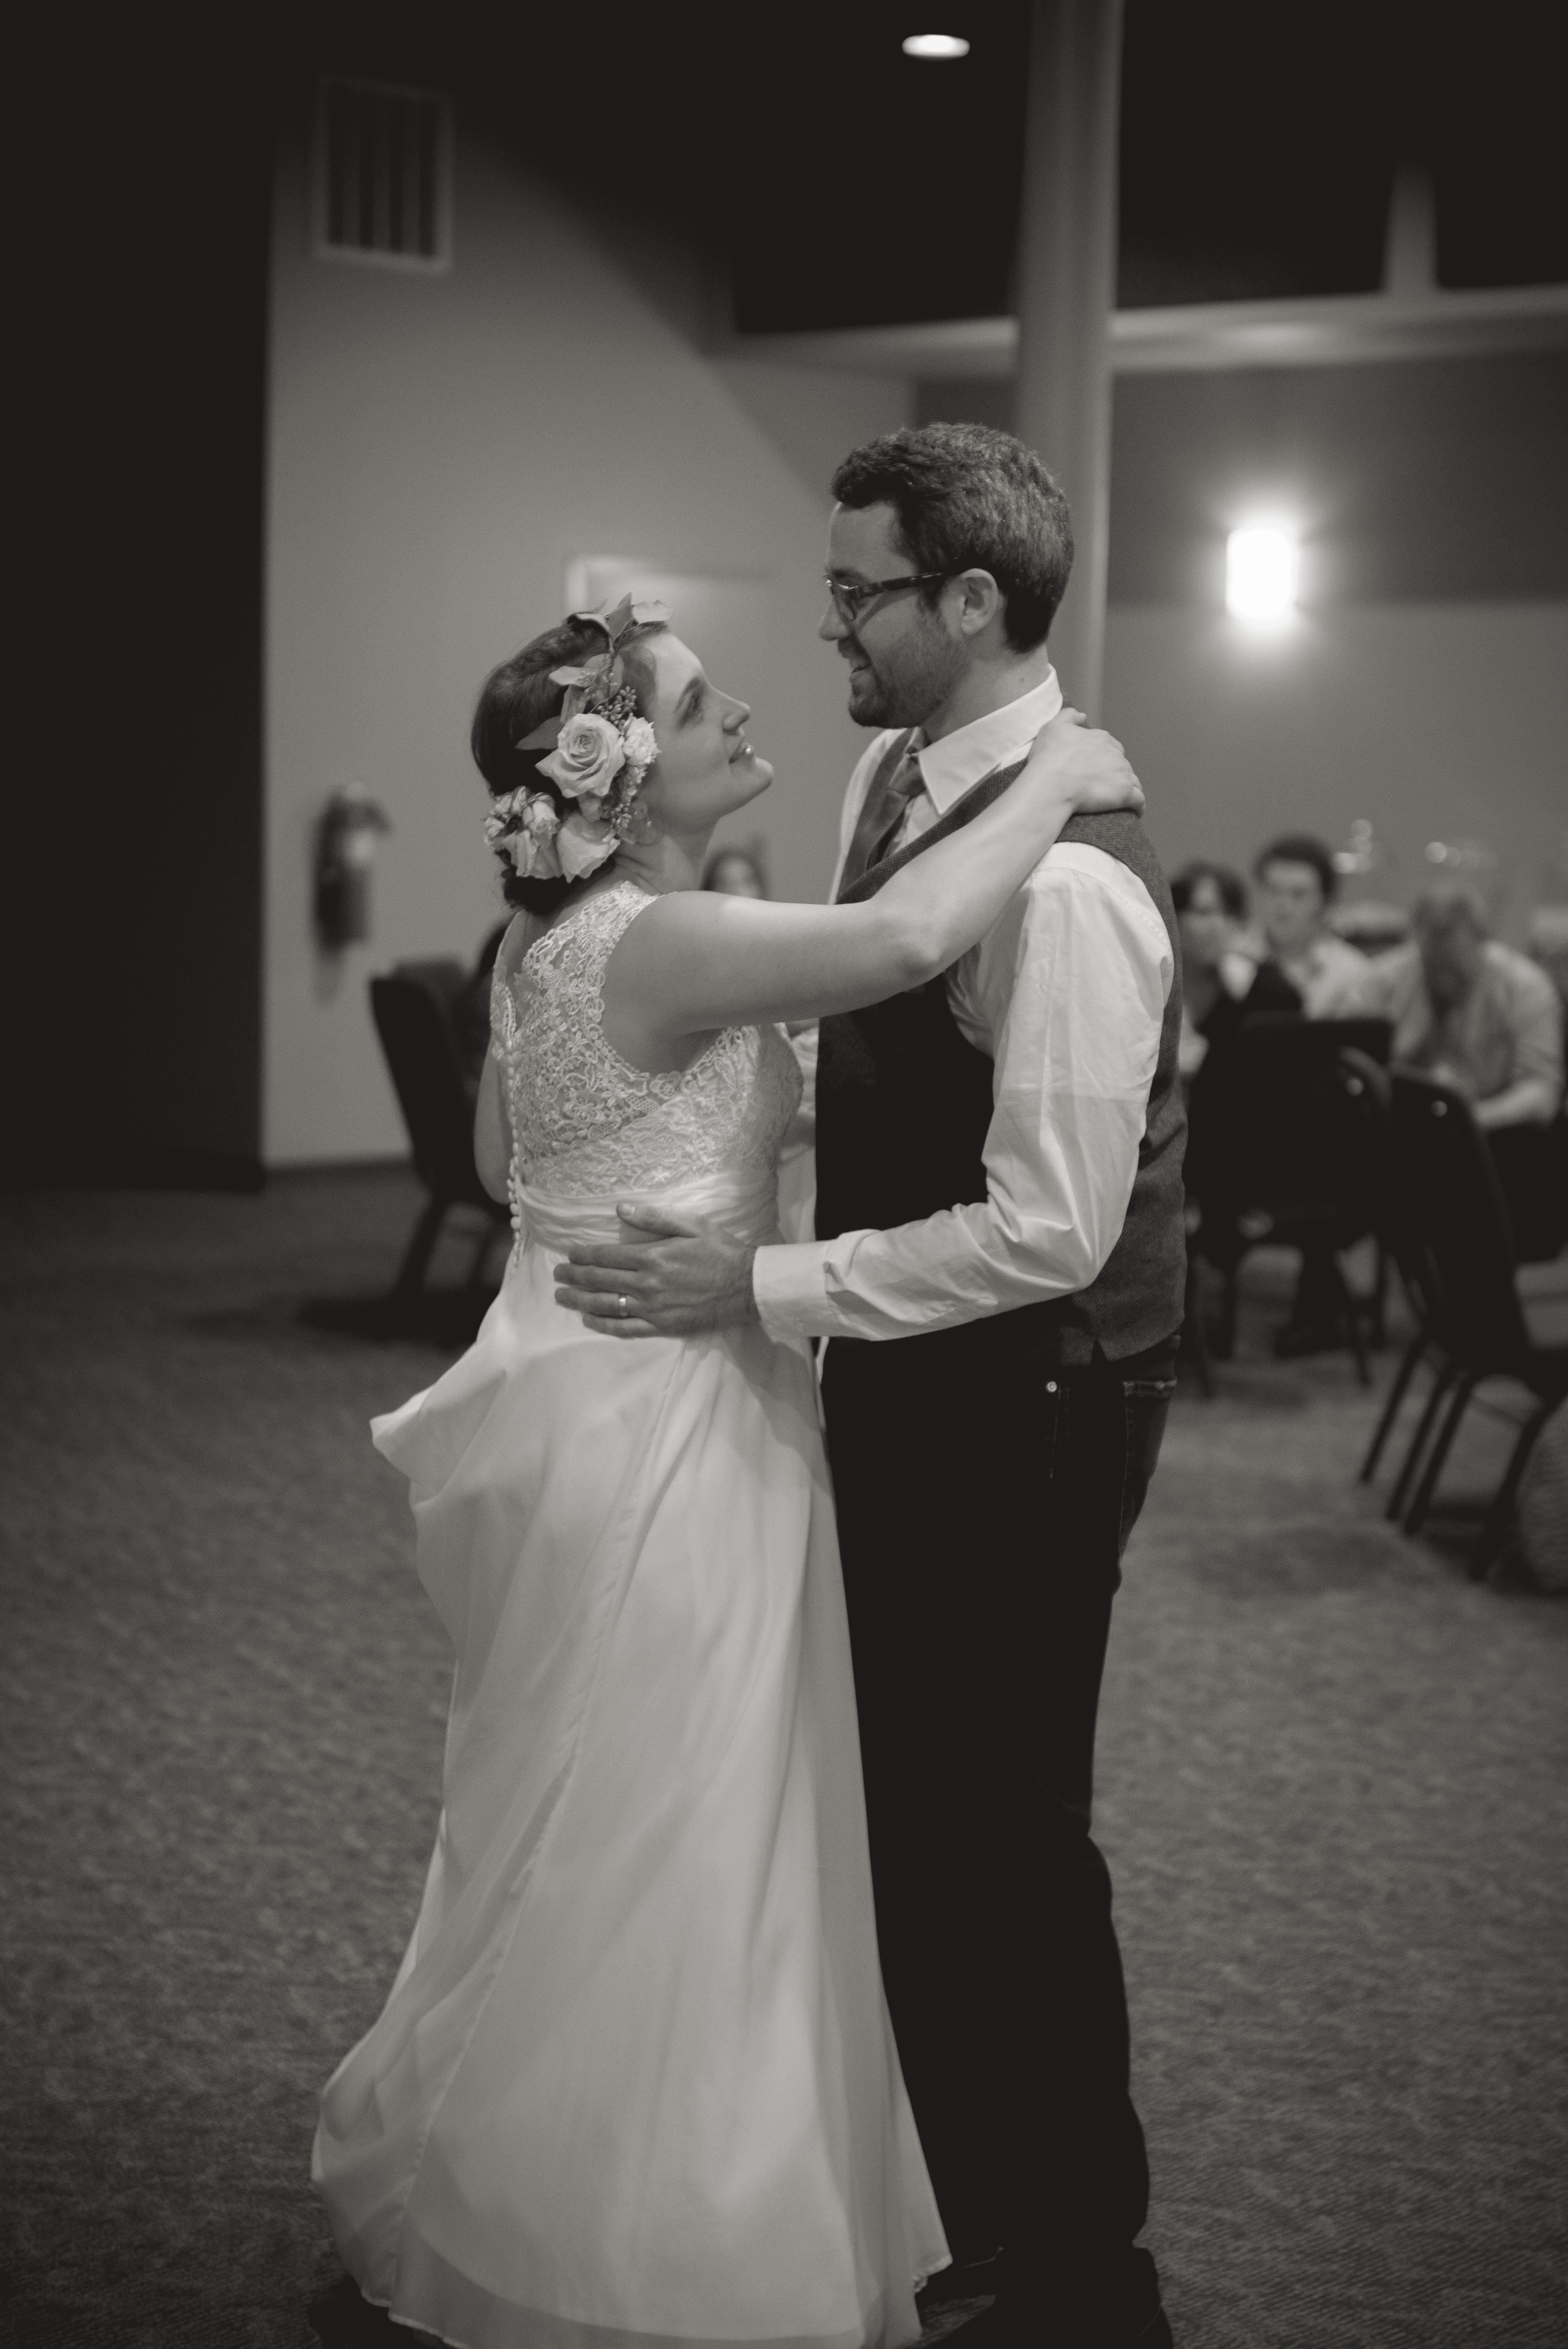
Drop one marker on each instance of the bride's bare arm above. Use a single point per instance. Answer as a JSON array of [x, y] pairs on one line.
[[697, 961], [492, 1142], [492, 1125]]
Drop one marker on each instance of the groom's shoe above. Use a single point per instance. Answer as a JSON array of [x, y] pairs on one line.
[[963, 2280], [955, 2300], [961, 2312]]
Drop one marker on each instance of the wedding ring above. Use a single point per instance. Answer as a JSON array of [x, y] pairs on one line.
[[623, 1308]]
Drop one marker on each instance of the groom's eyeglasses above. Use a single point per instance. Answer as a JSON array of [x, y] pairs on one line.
[[851, 601]]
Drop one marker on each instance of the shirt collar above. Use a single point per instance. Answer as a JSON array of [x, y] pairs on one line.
[[950, 767]]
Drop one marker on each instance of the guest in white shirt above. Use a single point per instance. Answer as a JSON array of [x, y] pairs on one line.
[[1296, 885], [1000, 1270]]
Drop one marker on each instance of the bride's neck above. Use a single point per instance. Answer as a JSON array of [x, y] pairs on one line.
[[664, 863]]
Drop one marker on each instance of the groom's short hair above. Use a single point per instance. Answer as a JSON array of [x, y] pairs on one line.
[[968, 498]]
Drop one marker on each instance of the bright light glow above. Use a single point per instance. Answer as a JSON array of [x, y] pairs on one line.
[[1260, 567], [936, 45]]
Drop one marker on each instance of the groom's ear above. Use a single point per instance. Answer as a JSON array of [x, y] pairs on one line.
[[979, 602]]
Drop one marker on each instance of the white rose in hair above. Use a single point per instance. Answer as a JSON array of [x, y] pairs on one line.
[[642, 745], [533, 845], [582, 845], [586, 760], [502, 811], [535, 859]]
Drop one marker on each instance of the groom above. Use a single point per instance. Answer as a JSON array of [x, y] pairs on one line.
[[1000, 1267]]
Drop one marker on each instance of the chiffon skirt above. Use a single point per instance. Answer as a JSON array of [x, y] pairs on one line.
[[635, 2081]]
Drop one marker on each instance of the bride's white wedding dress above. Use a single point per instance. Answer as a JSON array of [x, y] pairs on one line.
[[635, 2082]]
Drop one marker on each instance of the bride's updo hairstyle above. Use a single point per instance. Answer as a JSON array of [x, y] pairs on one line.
[[516, 698]]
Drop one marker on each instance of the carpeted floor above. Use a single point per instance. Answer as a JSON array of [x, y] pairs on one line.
[[1332, 1789]]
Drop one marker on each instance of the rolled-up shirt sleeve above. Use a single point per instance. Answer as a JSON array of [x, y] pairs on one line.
[[1067, 991]]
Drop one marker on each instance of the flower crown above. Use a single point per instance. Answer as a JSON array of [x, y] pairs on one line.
[[600, 751]]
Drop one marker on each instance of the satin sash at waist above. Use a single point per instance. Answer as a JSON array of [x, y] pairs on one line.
[[745, 1206]]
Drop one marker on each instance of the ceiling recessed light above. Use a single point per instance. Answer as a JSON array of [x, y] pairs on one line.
[[936, 45]]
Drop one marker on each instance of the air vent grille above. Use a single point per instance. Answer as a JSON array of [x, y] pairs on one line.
[[383, 175]]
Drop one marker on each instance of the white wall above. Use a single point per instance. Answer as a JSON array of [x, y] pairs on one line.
[[1432, 720], [814, 417], [440, 448]]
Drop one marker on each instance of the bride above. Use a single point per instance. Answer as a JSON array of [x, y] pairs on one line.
[[634, 2083]]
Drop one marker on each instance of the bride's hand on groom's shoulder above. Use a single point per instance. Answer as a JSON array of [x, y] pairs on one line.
[[664, 1278], [1092, 765]]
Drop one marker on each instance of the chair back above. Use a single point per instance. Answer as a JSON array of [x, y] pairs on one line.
[[1373, 1035], [1397, 1228], [443, 974], [1372, 1038], [416, 1038], [1447, 1187], [1367, 1188], [1305, 1145]]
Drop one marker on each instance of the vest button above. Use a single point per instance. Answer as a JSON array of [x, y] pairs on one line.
[[1050, 1386]]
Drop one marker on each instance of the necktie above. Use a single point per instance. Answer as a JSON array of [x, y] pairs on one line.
[[880, 816]]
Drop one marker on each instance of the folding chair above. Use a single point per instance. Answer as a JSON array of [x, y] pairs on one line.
[[1475, 1326], [437, 1110], [1303, 1159]]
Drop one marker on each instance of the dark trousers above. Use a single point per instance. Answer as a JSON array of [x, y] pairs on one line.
[[982, 1509]]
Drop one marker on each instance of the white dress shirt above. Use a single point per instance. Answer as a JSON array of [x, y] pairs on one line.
[[1334, 980], [1065, 994]]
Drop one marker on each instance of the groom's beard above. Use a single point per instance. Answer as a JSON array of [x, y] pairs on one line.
[[906, 686]]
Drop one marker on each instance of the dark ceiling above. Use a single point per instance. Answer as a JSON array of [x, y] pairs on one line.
[[839, 183], [1258, 148]]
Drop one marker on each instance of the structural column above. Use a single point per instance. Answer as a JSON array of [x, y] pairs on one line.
[[1067, 293]]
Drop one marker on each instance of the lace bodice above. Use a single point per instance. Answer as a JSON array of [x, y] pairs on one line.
[[583, 1121]]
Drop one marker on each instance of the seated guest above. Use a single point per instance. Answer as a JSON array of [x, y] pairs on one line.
[[1547, 944], [1220, 982], [1220, 986], [1487, 1021], [1296, 883], [1303, 968], [1546, 1233], [1471, 1011]]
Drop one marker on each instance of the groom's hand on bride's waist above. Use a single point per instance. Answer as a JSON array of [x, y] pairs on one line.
[[664, 1278]]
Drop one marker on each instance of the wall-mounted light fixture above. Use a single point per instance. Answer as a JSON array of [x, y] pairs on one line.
[[1261, 564], [936, 45]]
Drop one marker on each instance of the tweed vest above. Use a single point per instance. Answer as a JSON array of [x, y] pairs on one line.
[[904, 1102]]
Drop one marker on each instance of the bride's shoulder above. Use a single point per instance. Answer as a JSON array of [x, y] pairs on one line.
[[675, 919]]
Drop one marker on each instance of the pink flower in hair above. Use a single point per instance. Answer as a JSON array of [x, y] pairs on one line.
[[582, 845], [588, 756]]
